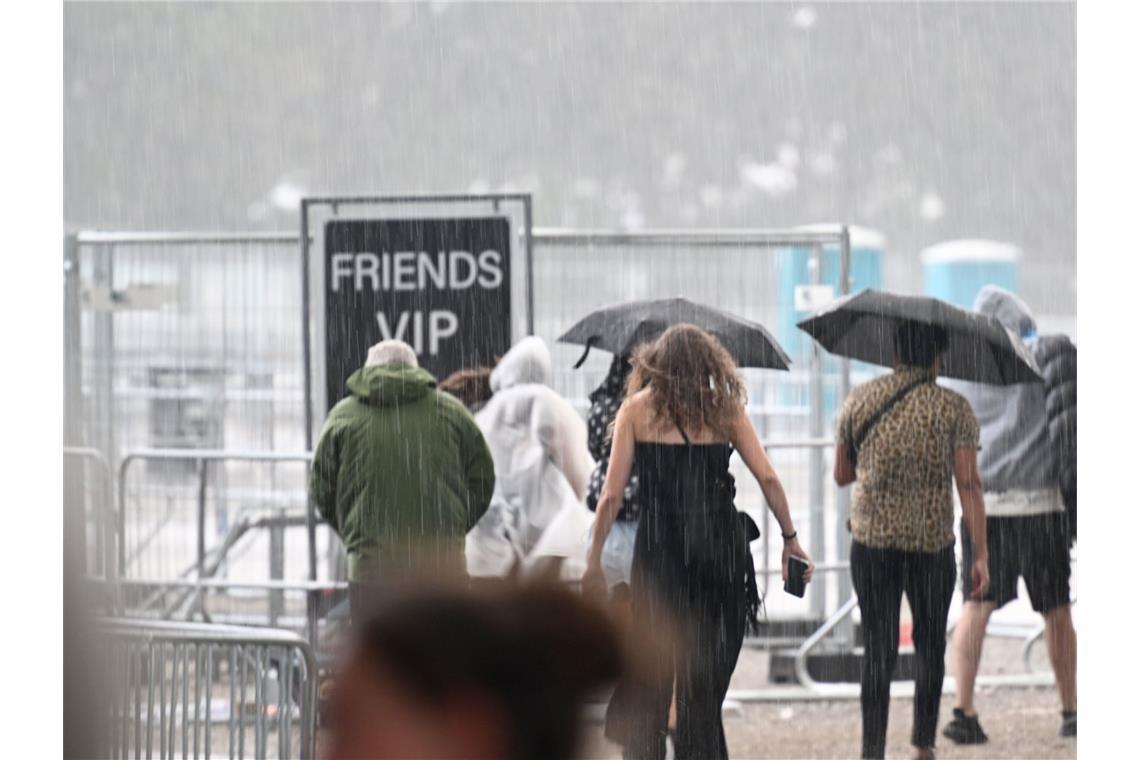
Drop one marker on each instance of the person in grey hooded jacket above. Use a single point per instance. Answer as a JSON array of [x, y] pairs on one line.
[[1028, 467]]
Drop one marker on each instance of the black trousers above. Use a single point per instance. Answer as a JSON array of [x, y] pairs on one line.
[[688, 631], [700, 662], [880, 577]]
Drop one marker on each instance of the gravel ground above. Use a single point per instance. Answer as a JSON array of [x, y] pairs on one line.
[[1021, 722]]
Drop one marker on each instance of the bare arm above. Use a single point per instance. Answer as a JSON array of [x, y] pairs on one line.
[[974, 512], [748, 445], [617, 476], [844, 472], [844, 467]]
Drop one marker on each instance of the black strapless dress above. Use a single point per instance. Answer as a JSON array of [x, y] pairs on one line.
[[690, 587]]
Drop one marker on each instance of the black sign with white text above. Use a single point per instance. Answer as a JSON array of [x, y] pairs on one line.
[[443, 286]]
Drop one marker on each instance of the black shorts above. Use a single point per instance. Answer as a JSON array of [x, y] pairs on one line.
[[1035, 548]]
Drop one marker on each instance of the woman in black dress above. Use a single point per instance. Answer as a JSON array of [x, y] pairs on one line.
[[682, 418]]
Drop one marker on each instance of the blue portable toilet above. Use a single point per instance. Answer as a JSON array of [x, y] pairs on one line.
[[957, 269], [794, 268], [868, 248]]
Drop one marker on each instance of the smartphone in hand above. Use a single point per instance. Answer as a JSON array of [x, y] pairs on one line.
[[795, 584]]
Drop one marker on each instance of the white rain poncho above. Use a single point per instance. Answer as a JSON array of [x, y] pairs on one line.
[[542, 466]]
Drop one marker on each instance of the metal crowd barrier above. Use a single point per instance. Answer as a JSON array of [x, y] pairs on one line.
[[189, 690], [203, 458], [104, 513], [117, 344], [815, 241]]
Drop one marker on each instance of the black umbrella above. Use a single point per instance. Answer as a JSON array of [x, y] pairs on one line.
[[620, 329], [863, 326]]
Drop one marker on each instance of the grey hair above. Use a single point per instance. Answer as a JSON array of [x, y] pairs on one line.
[[391, 352]]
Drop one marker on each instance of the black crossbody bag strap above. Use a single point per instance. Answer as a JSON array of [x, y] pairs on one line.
[[856, 442]]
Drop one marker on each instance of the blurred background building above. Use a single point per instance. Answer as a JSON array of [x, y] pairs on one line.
[[926, 122]]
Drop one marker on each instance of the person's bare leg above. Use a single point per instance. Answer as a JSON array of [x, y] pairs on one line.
[[1061, 641], [968, 637]]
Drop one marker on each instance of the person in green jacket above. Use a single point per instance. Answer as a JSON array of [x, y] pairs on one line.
[[401, 472]]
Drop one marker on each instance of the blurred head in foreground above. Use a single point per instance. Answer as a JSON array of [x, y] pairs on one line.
[[500, 673]]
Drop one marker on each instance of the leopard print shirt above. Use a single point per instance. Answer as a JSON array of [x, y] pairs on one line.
[[904, 476]]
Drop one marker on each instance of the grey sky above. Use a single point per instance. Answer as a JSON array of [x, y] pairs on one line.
[[925, 121]]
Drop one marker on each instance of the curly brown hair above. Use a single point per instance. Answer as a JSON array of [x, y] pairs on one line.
[[694, 382], [471, 386]]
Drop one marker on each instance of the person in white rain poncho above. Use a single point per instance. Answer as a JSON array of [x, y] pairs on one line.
[[542, 467]]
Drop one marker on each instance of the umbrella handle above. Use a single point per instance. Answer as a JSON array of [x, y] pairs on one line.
[[589, 344]]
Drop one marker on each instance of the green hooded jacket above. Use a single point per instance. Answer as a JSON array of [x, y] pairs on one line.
[[401, 472]]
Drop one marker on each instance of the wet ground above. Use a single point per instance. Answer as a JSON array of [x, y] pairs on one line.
[[1022, 723]]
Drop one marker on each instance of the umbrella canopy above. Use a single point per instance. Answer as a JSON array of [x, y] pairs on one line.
[[863, 326], [619, 329]]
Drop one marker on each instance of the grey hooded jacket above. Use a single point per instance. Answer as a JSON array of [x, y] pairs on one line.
[[1016, 450]]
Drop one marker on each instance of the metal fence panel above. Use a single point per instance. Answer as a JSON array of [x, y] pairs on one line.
[[740, 271], [183, 689], [191, 342], [194, 342]]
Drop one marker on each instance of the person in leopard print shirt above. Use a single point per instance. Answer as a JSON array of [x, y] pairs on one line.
[[912, 440]]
